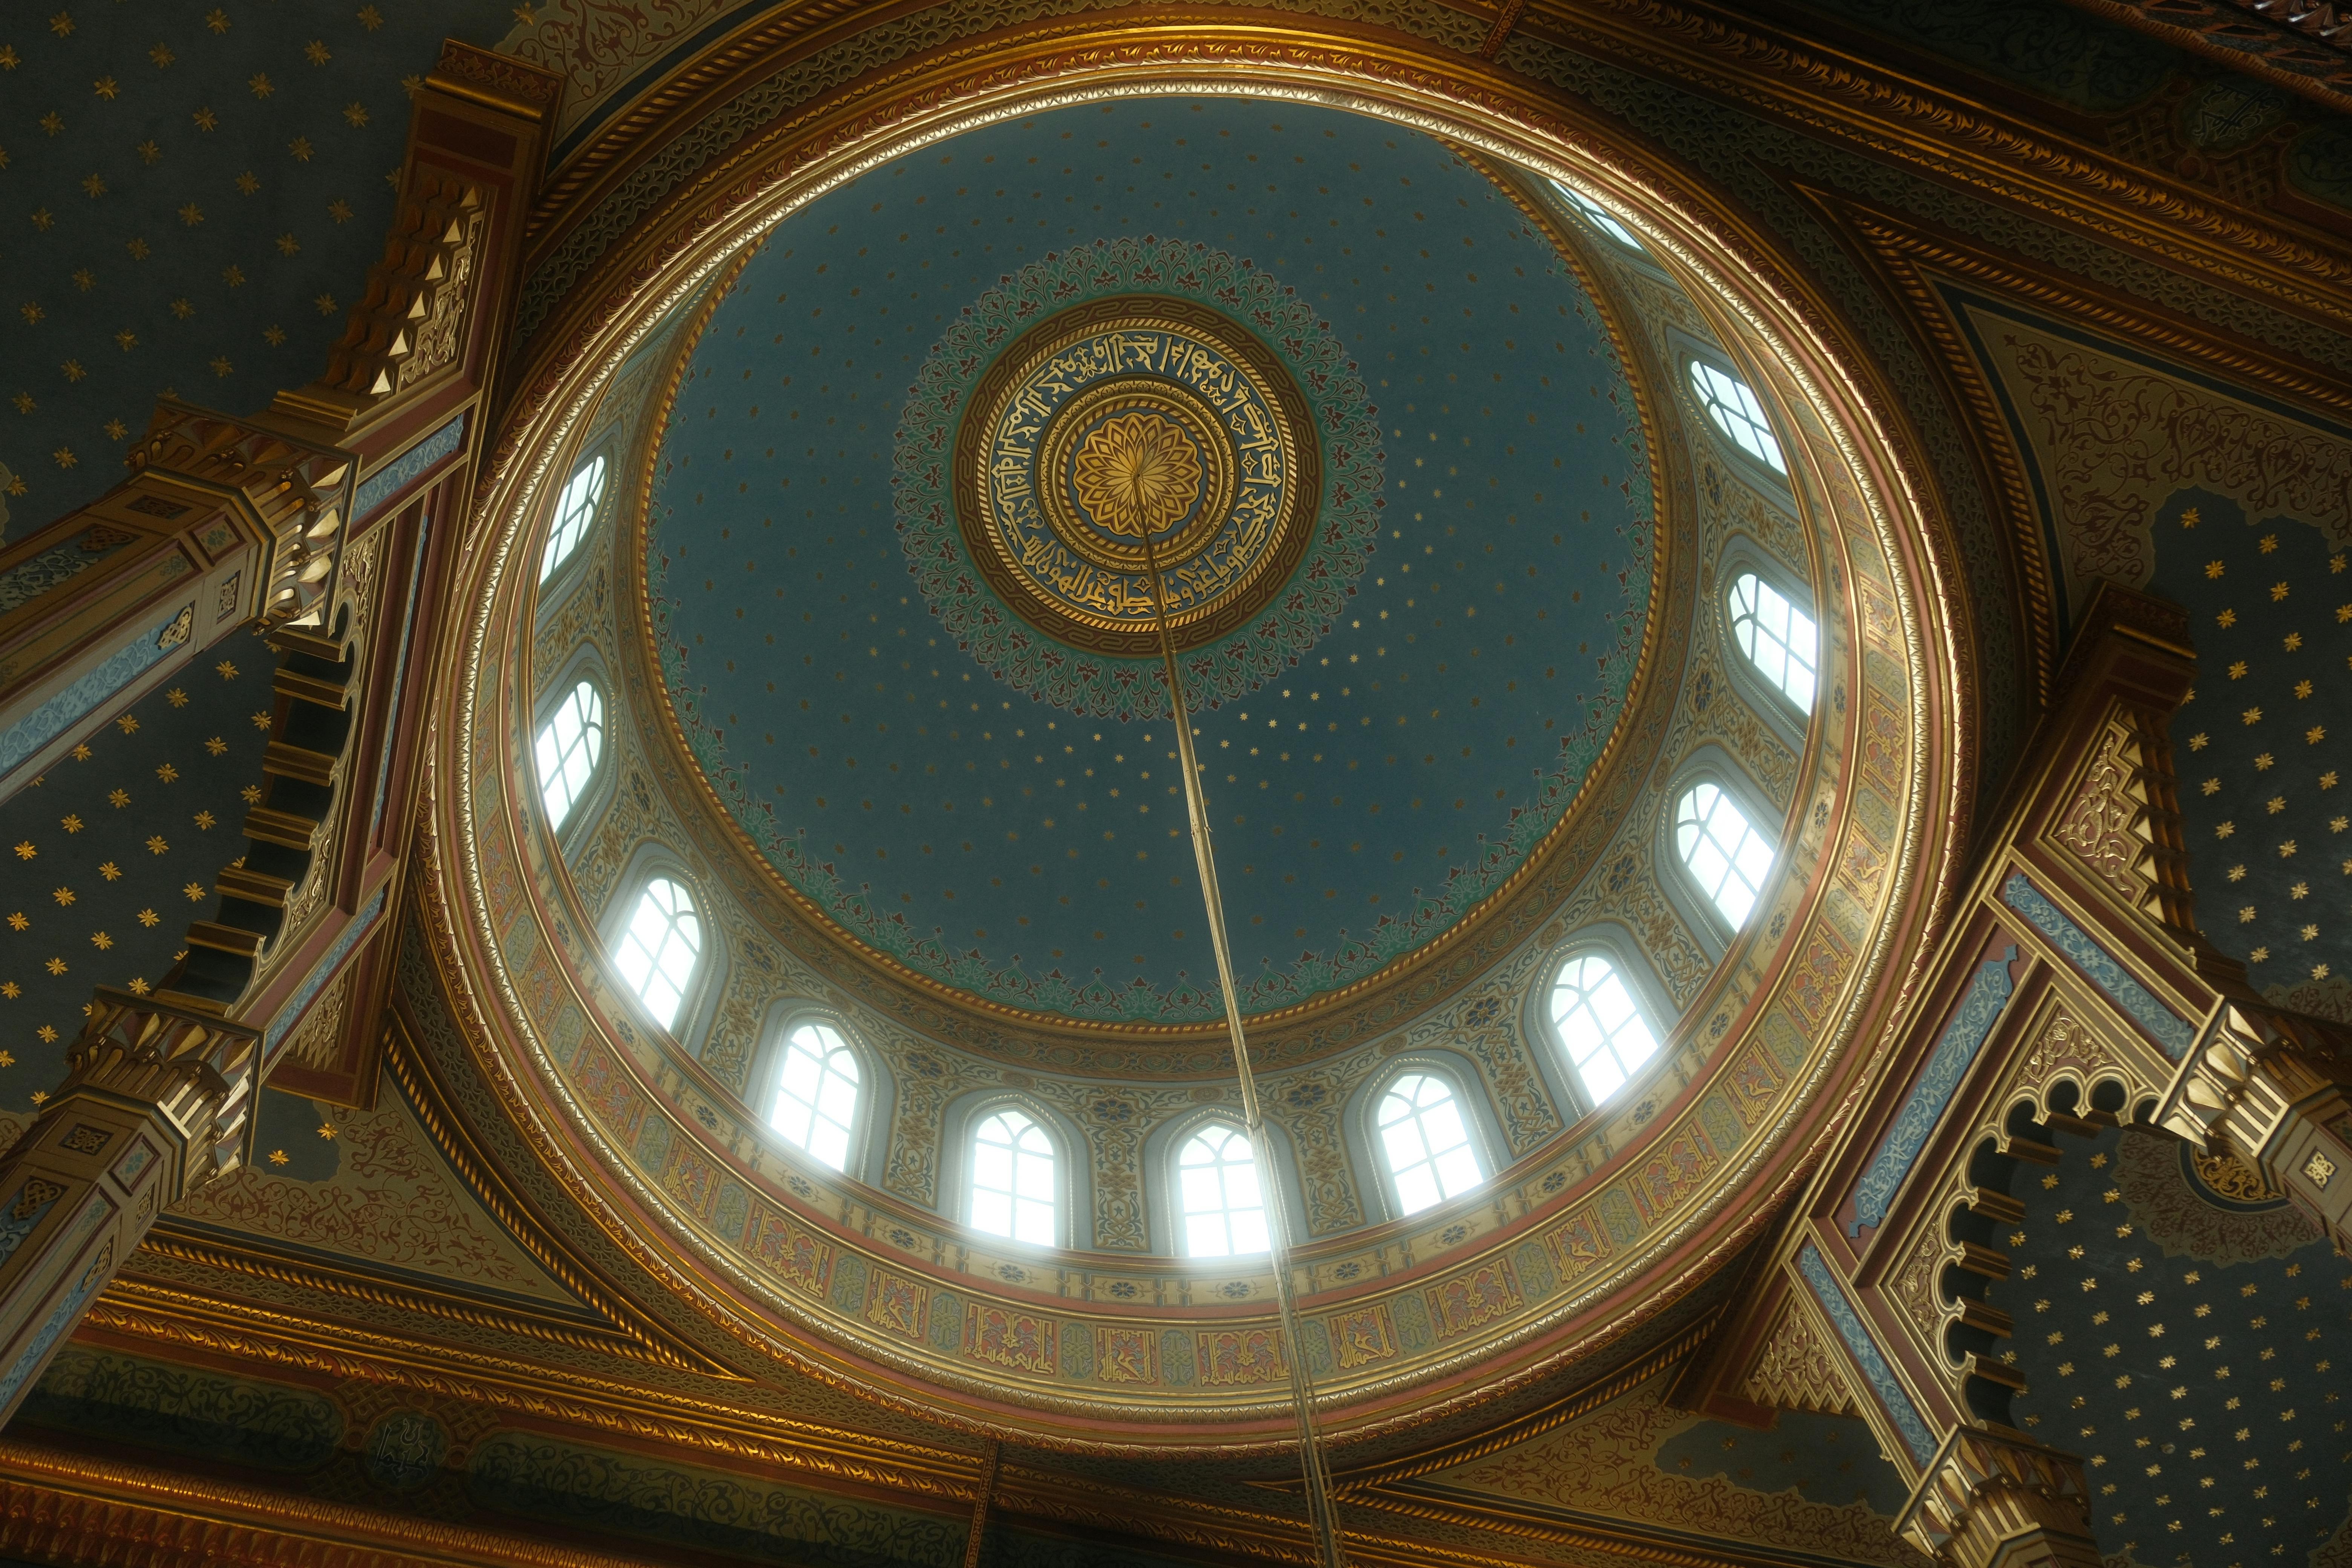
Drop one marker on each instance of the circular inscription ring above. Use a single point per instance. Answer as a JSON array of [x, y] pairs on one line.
[[1128, 419]]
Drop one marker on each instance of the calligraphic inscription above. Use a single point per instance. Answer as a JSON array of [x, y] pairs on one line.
[[1011, 1340], [1362, 1337], [1128, 434], [1241, 1357], [1471, 1300], [1126, 1355]]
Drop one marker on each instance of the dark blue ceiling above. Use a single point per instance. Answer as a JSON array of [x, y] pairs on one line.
[[191, 193], [1364, 799]]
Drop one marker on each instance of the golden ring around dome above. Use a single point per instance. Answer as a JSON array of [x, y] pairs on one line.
[[1131, 413]]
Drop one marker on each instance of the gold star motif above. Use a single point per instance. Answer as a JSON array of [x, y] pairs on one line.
[[64, 896], [176, 697], [100, 940], [355, 115], [277, 1157], [315, 51], [138, 986], [155, 845], [195, 891], [259, 84], [168, 773], [215, 745], [327, 1131], [205, 118], [25, 850], [162, 55], [109, 870], [149, 917], [16, 921]]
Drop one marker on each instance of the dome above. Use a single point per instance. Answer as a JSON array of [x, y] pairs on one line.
[[1548, 649]]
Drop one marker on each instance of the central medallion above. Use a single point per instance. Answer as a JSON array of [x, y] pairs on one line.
[[1131, 422]]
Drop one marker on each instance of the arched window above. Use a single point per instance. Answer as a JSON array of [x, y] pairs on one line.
[[1426, 1142], [1726, 855], [569, 744], [1779, 639], [816, 1092], [1216, 1188], [1603, 1030], [575, 509], [1732, 405], [659, 948], [1013, 1184], [1596, 214]]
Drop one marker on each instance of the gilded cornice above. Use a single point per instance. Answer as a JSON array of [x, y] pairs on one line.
[[1953, 139], [180, 1324]]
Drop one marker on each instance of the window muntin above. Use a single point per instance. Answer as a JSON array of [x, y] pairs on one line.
[[1222, 1209], [575, 509], [1426, 1142], [1600, 1024], [1598, 216], [570, 743], [1012, 1181], [1726, 855], [1732, 405], [816, 1093], [659, 949], [1779, 640]]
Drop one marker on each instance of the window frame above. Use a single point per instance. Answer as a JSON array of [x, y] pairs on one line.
[[1596, 217], [1487, 1144], [1169, 1169], [768, 1083], [1712, 765], [1695, 354], [577, 673], [649, 860], [554, 583], [967, 1145], [1742, 558], [1640, 982]]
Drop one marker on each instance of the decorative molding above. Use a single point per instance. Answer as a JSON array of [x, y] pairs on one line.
[[1831, 1297], [1963, 1037], [1993, 1501], [1794, 1370], [2167, 1028]]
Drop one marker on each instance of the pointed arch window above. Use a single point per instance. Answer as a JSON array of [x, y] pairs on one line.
[[570, 743], [575, 509], [816, 1093], [1599, 1024], [1779, 640], [1599, 218], [1426, 1142], [1723, 851], [1217, 1189], [1731, 403], [659, 949], [1013, 1181]]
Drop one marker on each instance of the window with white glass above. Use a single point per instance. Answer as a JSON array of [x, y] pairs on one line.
[[1722, 850], [659, 948], [575, 509], [1731, 403], [1013, 1179], [570, 743], [1600, 1024], [1598, 216], [816, 1092], [1426, 1142], [1779, 640], [1224, 1212]]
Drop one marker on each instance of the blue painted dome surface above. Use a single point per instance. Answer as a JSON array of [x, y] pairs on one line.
[[1461, 674]]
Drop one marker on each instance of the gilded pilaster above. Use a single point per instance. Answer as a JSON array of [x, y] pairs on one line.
[[2275, 1089], [1990, 1499]]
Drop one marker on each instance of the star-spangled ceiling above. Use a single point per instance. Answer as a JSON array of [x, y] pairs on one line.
[[191, 192], [1375, 762]]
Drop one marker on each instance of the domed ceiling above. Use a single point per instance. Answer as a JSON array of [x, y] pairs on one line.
[[1384, 451], [1444, 553]]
